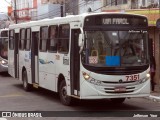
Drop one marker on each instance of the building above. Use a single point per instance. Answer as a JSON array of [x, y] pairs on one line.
[[149, 8], [23, 10], [5, 20], [27, 10], [89, 6]]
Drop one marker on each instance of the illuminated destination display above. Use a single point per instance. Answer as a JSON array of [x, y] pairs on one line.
[[115, 21]]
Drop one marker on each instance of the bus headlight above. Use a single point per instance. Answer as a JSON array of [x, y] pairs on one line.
[[86, 76], [147, 75], [145, 78], [3, 62], [90, 79]]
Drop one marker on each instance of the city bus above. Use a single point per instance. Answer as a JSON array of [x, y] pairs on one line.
[[88, 56], [4, 50]]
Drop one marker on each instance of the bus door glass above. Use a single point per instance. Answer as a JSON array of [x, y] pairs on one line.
[[4, 48], [51, 59], [34, 56], [43, 55], [75, 61]]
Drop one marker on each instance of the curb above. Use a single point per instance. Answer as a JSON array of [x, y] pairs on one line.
[[154, 98]]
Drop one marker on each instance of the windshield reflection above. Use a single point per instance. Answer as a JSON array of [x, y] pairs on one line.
[[115, 48], [4, 48]]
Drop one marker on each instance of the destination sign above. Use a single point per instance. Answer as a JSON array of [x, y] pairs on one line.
[[108, 21], [116, 19]]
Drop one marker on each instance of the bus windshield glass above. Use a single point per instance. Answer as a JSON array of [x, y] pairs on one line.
[[4, 47], [115, 48]]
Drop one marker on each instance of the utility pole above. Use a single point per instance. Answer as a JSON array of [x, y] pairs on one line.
[[62, 9], [15, 11], [159, 8]]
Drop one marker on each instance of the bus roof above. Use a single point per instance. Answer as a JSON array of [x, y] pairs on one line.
[[4, 29], [64, 20]]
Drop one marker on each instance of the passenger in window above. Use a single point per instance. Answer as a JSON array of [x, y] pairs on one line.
[[63, 46], [53, 41], [100, 48], [44, 39]]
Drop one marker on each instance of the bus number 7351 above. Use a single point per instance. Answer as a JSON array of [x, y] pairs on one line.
[[132, 77]]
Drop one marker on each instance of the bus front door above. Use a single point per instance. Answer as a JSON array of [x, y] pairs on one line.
[[34, 57], [16, 56], [75, 63]]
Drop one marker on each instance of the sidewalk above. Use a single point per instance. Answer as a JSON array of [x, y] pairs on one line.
[[155, 96]]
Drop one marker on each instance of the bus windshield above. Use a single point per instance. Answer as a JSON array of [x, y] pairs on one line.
[[4, 47], [115, 48]]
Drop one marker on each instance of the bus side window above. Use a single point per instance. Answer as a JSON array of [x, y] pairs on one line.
[[43, 38], [53, 36], [22, 39], [11, 39], [28, 38], [63, 42]]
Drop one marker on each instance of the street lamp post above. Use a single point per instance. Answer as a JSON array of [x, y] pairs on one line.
[[62, 9], [15, 11]]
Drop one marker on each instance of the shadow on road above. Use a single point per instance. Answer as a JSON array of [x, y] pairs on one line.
[[4, 74], [85, 105], [40, 92]]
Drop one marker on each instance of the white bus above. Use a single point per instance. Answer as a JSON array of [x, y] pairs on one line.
[[3, 50], [88, 56]]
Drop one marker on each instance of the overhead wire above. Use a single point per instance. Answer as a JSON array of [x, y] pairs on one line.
[[8, 2], [82, 4], [104, 6], [58, 12]]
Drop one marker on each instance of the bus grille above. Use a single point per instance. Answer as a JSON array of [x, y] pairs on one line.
[[112, 90], [117, 82]]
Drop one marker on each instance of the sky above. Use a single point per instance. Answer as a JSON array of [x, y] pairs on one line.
[[3, 5]]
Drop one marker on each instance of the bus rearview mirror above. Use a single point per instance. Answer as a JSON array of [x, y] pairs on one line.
[[80, 40]]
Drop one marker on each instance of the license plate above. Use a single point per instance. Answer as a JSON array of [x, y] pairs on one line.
[[120, 89]]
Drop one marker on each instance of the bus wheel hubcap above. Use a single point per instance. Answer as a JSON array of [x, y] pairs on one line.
[[64, 92]]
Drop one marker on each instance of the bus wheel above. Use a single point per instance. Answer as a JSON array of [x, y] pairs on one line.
[[64, 98], [117, 100], [26, 86]]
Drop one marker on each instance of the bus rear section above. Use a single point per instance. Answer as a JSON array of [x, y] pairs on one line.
[[4, 50]]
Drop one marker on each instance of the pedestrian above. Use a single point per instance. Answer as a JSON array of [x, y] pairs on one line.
[[152, 71]]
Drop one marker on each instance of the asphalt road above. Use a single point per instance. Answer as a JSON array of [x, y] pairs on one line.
[[14, 98]]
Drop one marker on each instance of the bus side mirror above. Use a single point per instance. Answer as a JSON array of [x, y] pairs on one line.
[[81, 42]]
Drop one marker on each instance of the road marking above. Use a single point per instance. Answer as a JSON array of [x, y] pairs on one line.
[[11, 95], [3, 119]]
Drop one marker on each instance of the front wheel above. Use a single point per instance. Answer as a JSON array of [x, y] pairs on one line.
[[117, 100], [64, 98]]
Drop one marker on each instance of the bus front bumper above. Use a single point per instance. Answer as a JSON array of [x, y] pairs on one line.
[[91, 91]]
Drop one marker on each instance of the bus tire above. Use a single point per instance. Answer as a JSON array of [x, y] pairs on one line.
[[64, 98], [26, 85], [117, 100]]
